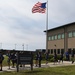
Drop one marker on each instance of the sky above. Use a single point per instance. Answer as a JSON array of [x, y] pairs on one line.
[[18, 25]]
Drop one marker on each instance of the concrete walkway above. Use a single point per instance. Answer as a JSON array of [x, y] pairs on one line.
[[65, 63]]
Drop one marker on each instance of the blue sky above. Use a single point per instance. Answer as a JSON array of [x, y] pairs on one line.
[[19, 25]]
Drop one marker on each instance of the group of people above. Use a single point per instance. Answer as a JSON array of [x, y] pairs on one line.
[[56, 58], [38, 59], [13, 58], [67, 56]]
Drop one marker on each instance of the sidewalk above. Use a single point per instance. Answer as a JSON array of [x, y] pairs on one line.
[[65, 63]]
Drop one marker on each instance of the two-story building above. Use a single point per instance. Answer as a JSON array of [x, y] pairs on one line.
[[61, 39]]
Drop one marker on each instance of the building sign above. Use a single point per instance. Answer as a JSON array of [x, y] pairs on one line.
[[25, 58]]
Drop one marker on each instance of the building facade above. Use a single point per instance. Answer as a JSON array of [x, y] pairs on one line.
[[62, 39]]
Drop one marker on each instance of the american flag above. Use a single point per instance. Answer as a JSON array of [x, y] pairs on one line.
[[39, 7]]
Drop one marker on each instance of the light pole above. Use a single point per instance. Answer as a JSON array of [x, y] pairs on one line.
[[47, 28], [23, 46]]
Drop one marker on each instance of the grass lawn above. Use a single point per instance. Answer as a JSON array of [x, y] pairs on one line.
[[68, 70], [5, 61]]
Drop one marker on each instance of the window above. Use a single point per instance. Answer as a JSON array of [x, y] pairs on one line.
[[59, 36], [51, 51], [54, 50], [70, 34], [62, 36], [62, 50], [49, 38], [69, 50], [74, 33], [74, 50], [55, 37], [52, 37], [58, 51]]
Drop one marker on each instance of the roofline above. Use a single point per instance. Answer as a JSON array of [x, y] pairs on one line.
[[60, 26]]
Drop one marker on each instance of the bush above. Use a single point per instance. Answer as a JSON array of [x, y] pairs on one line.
[[64, 59], [51, 60]]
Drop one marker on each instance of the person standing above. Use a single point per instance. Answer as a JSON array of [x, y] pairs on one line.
[[61, 57], [47, 57], [9, 58], [36, 59], [67, 56], [72, 56], [40, 58], [1, 60], [55, 58], [13, 59]]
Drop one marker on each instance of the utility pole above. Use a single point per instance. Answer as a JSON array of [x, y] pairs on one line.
[[15, 46]]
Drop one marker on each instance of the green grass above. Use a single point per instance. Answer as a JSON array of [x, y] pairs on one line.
[[68, 70], [5, 61]]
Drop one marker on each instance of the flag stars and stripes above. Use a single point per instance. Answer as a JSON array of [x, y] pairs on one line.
[[39, 7]]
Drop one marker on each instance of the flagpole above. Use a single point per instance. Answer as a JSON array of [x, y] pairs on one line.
[[47, 28]]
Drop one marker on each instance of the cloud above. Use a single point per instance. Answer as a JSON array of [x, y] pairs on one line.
[[62, 12], [18, 24]]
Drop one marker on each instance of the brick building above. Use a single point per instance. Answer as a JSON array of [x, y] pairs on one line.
[[61, 39]]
